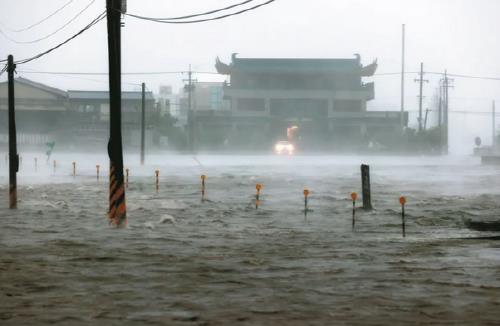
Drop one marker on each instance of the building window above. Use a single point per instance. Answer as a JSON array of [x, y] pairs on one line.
[[215, 98], [251, 104], [347, 106]]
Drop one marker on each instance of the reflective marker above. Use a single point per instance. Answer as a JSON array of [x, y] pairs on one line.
[[258, 187], [354, 196], [402, 201], [306, 195]]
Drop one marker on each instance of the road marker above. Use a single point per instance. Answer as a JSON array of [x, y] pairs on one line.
[[402, 201]]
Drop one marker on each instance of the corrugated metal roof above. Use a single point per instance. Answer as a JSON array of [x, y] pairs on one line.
[[43, 87], [104, 95]]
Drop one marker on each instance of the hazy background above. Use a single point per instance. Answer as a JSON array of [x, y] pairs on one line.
[[458, 35]]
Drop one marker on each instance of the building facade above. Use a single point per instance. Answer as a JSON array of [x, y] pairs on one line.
[[326, 99], [40, 112], [89, 112], [71, 118]]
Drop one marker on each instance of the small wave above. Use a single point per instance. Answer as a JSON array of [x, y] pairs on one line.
[[173, 204], [167, 219]]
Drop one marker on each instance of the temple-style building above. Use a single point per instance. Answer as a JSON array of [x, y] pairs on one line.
[[325, 98]]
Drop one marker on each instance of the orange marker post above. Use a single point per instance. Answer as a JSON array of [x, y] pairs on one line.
[[306, 195], [258, 187], [97, 171], [126, 178], [402, 201], [203, 177], [354, 196], [157, 173], [74, 169]]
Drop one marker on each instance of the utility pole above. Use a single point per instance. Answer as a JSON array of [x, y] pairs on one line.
[[446, 85], [425, 119], [421, 80], [403, 79], [493, 122], [143, 123], [440, 116], [13, 156], [191, 115], [117, 209]]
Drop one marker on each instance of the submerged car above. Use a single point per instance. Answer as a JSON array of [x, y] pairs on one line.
[[284, 147]]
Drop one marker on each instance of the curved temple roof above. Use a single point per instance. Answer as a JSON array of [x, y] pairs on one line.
[[336, 66]]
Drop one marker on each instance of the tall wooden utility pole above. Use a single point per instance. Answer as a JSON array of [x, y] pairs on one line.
[[13, 157], [440, 116], [493, 126], [446, 85], [117, 209], [425, 119], [191, 124], [403, 79], [143, 123], [421, 80]]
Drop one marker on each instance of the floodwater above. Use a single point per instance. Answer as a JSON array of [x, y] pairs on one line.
[[182, 261]]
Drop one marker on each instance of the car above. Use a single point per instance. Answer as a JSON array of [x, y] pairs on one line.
[[284, 147]]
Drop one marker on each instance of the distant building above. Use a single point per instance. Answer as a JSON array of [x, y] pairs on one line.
[[325, 98], [89, 116], [209, 96], [207, 123], [40, 112], [72, 118]]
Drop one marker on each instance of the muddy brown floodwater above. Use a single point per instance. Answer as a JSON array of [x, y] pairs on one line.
[[222, 262]]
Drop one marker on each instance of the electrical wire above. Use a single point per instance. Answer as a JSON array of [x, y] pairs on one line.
[[38, 22], [123, 73], [439, 74], [96, 20], [52, 33], [207, 12], [158, 20], [101, 73]]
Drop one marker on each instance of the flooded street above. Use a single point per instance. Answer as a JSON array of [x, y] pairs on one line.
[[182, 261]]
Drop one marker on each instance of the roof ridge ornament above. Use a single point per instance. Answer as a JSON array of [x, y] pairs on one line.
[[368, 71], [221, 67]]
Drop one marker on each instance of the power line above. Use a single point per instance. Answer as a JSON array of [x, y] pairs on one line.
[[124, 73], [207, 12], [96, 20], [439, 74], [38, 22], [159, 20], [88, 79], [51, 34]]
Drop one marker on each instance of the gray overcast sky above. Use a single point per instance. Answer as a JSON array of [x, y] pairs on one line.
[[458, 35]]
